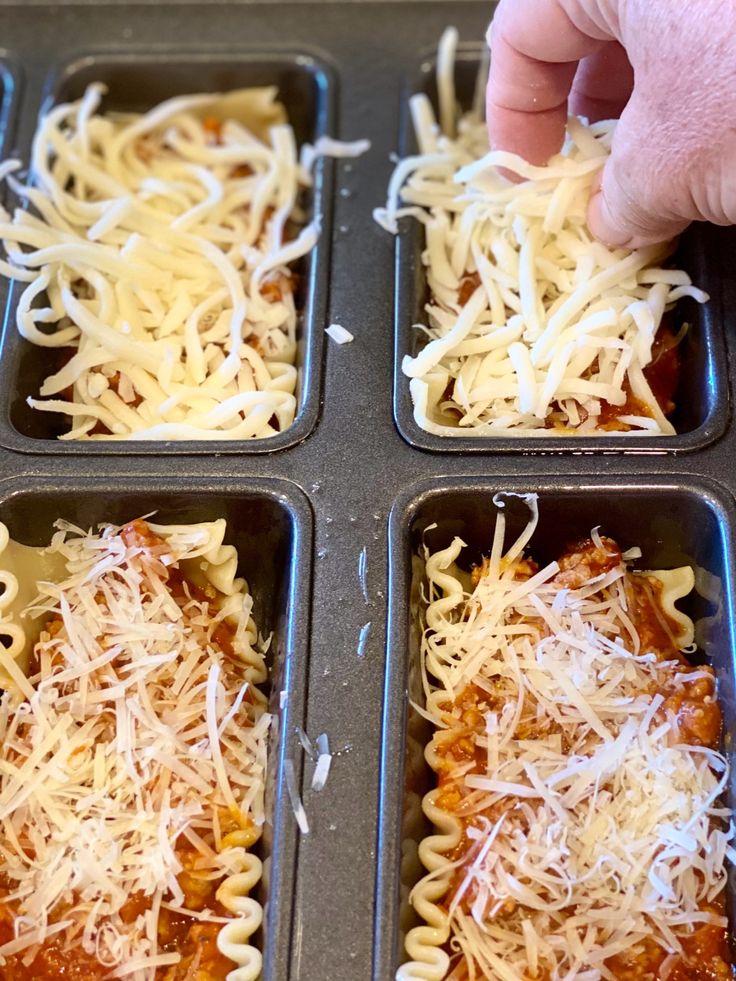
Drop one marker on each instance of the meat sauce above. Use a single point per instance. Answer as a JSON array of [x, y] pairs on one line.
[[706, 954], [663, 375], [195, 941]]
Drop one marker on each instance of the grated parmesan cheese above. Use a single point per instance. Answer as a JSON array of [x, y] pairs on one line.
[[306, 742], [592, 822], [140, 740], [339, 334], [324, 762], [296, 802]]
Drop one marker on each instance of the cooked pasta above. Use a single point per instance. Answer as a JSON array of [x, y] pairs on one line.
[[133, 753], [156, 254], [534, 328], [580, 832]]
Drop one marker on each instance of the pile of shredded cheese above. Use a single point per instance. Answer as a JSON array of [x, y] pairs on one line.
[[157, 247], [138, 736], [533, 326], [591, 826]]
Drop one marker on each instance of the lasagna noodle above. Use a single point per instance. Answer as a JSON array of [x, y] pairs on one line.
[[494, 638], [78, 568], [533, 327], [155, 255]]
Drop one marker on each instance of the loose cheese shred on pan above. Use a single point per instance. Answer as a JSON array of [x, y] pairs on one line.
[[143, 737], [324, 761], [306, 742], [325, 146], [296, 802], [533, 327], [158, 249], [587, 800], [339, 334]]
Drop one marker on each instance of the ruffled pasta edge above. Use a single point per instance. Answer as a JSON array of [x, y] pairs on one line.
[[233, 940]]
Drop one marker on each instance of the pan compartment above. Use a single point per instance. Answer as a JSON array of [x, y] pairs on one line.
[[264, 517], [702, 405], [674, 523], [138, 82]]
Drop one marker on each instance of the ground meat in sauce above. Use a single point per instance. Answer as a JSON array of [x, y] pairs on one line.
[[194, 941], [523, 569], [584, 561], [694, 706], [706, 957], [468, 285]]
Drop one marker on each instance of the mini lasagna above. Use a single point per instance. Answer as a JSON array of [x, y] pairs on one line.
[[533, 328], [133, 742], [580, 828], [156, 255]]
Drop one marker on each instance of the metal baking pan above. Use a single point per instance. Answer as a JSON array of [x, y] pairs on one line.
[[335, 487], [10, 79], [702, 394], [137, 81], [674, 522], [264, 517]]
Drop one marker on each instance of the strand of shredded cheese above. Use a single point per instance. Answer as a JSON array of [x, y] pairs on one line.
[[141, 736], [558, 326]]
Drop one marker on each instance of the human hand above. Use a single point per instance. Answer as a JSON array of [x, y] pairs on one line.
[[667, 67]]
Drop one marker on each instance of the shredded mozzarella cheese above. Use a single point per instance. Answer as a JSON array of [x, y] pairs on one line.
[[533, 326], [161, 243]]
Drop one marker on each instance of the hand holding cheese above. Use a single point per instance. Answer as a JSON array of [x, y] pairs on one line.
[[664, 67]]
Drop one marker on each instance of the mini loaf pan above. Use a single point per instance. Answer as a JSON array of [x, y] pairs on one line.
[[701, 398], [673, 522], [264, 518], [137, 82]]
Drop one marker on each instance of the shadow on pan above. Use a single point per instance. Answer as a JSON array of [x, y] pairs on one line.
[[10, 83]]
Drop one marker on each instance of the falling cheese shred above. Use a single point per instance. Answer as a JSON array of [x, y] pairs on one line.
[[145, 735], [590, 817], [534, 328]]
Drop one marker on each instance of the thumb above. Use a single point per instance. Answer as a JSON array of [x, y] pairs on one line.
[[639, 198], [615, 219]]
